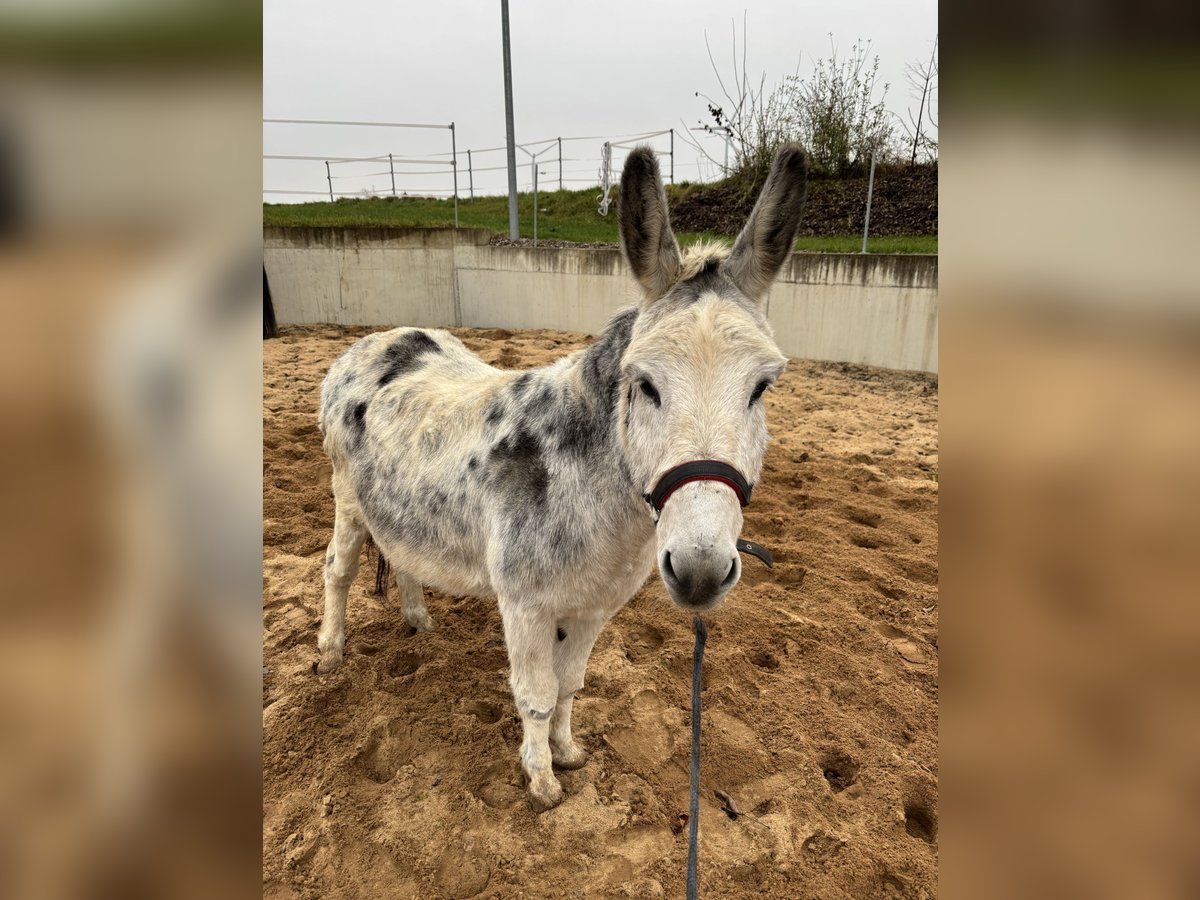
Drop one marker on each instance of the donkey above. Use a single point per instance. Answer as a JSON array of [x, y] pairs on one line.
[[545, 489]]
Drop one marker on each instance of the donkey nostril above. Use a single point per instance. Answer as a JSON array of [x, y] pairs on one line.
[[667, 570], [732, 575]]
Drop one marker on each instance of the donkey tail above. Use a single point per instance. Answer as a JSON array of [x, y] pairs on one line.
[[383, 569]]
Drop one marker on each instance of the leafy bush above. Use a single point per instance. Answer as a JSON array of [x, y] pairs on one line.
[[835, 114]]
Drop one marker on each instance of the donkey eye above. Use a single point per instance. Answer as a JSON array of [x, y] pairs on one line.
[[758, 391], [649, 391]]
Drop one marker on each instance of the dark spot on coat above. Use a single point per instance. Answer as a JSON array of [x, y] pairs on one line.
[[495, 412], [519, 386], [565, 542], [367, 473], [540, 403], [562, 633], [404, 355], [580, 431], [519, 467], [356, 416]]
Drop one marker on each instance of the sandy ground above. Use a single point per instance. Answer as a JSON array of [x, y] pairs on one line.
[[397, 775]]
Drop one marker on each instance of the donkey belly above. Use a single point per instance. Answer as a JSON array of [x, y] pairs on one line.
[[439, 571], [432, 529]]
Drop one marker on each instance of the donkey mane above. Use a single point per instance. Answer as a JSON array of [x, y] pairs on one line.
[[700, 256]]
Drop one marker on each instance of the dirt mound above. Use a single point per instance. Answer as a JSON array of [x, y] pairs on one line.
[[905, 202], [397, 775]]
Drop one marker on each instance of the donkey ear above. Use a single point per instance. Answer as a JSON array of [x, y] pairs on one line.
[[766, 241], [646, 236]]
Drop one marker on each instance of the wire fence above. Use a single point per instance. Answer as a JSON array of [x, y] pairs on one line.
[[451, 174], [562, 163]]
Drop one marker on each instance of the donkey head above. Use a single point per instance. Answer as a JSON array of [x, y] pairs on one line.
[[700, 358]]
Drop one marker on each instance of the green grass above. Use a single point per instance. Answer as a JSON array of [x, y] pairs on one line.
[[915, 243], [564, 215]]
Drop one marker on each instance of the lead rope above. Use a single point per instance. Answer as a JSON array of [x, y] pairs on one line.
[[693, 885]]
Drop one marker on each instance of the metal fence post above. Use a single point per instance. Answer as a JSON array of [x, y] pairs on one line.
[[392, 169], [870, 191], [514, 228], [560, 164], [535, 201], [672, 156], [329, 178], [470, 175], [454, 167]]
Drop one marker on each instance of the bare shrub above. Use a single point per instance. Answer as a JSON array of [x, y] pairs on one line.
[[754, 119]]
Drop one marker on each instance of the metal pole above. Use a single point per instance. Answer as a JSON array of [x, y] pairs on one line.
[[392, 169], [535, 201], [329, 178], [870, 191], [514, 230], [454, 167], [560, 164], [470, 175], [672, 156]]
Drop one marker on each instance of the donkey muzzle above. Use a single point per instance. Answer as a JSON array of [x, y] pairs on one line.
[[698, 557], [697, 578]]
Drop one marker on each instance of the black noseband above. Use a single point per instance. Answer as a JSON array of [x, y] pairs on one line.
[[709, 470], [699, 470]]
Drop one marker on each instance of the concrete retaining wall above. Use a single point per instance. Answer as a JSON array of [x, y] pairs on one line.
[[877, 310]]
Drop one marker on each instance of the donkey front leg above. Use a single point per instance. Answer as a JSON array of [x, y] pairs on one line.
[[341, 566], [530, 635], [575, 639]]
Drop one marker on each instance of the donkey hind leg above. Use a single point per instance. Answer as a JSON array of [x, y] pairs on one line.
[[341, 566], [412, 599], [529, 635], [575, 639]]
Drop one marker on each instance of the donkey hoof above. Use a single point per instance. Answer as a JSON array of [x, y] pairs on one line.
[[330, 660], [572, 756], [544, 793], [421, 621]]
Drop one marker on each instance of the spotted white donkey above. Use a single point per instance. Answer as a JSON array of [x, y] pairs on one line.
[[530, 486]]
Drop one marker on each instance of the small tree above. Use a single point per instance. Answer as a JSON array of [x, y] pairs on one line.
[[835, 114], [922, 82]]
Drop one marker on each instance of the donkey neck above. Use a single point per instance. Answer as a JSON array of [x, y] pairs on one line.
[[598, 368], [583, 421]]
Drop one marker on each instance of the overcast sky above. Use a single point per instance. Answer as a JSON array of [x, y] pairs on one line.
[[579, 69]]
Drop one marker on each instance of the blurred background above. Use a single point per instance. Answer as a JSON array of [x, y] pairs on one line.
[[130, 191], [130, 449], [1070, 437]]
